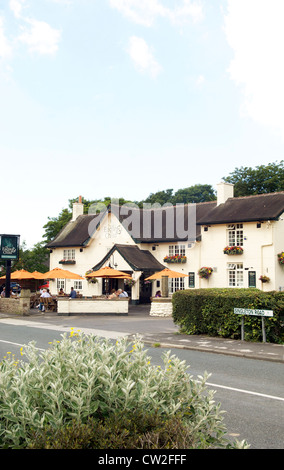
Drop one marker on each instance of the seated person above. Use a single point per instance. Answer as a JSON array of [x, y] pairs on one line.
[[73, 293], [158, 294], [45, 294], [113, 294], [61, 292], [122, 293]]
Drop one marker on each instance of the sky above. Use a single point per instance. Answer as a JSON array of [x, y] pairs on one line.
[[123, 98]]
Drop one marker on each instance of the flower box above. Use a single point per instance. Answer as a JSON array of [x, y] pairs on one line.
[[205, 272], [233, 250], [281, 257], [67, 261], [175, 259]]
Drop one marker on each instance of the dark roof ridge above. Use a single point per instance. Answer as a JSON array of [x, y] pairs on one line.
[[163, 206], [256, 195]]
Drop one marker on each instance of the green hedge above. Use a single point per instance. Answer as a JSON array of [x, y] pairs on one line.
[[211, 312]]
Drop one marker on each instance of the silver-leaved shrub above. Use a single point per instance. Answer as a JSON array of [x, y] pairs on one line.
[[84, 376]]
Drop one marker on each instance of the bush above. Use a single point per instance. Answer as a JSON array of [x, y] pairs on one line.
[[83, 384], [119, 431], [211, 312]]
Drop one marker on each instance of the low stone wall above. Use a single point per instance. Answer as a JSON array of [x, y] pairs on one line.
[[116, 306], [161, 307], [18, 306]]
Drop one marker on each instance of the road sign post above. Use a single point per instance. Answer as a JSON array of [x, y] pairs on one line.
[[253, 312]]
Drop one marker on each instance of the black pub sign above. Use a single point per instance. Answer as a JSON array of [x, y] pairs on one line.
[[9, 248]]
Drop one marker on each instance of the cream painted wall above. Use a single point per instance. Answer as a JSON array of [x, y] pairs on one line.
[[259, 253]]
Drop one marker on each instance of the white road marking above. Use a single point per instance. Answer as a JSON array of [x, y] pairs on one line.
[[103, 333], [17, 344], [249, 392]]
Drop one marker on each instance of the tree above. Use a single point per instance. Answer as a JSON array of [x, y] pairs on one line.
[[55, 224], [161, 197], [194, 194], [261, 179], [35, 259]]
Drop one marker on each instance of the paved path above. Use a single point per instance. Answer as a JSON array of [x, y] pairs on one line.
[[153, 331]]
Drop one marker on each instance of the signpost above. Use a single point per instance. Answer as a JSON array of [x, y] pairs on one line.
[[254, 312], [9, 250]]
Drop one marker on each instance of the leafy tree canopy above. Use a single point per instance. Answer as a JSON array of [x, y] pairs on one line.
[[261, 179], [192, 194]]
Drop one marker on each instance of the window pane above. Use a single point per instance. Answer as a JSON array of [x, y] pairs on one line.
[[231, 238]]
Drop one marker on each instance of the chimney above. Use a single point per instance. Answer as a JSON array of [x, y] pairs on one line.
[[224, 192], [78, 209]]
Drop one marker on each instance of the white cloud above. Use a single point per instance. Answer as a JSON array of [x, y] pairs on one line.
[[146, 11], [254, 30], [40, 37], [16, 6], [200, 80], [142, 56], [5, 48]]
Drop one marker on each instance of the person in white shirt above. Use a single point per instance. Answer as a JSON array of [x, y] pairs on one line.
[[45, 293], [122, 293]]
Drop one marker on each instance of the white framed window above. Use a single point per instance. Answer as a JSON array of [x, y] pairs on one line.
[[60, 284], [235, 235], [176, 283], [177, 250], [69, 254], [235, 274], [77, 285]]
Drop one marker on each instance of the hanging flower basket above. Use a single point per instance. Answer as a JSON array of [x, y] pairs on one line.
[[233, 250], [264, 279], [129, 282], [205, 272], [67, 261], [91, 280], [175, 259], [281, 257]]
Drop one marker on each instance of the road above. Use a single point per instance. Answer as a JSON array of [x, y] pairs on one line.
[[250, 391]]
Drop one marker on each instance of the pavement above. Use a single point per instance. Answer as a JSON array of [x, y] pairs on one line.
[[154, 331]]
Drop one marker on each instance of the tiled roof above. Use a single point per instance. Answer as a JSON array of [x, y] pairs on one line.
[[139, 260], [75, 233], [151, 225], [256, 208]]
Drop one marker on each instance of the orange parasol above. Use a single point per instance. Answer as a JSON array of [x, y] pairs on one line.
[[58, 273], [165, 272], [108, 272], [21, 275], [37, 275]]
